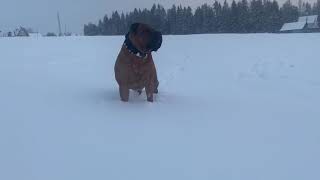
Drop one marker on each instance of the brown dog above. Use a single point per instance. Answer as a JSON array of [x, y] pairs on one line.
[[134, 68]]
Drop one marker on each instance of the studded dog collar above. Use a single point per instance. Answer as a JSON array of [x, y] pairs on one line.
[[132, 49]]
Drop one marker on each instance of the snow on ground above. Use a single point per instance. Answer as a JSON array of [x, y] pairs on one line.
[[241, 107]]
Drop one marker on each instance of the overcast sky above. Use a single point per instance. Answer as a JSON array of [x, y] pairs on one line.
[[41, 15]]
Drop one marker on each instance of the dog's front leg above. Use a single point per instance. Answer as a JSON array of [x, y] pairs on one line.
[[150, 91], [124, 93], [149, 96]]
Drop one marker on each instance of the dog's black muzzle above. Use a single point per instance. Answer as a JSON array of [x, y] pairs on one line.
[[156, 41]]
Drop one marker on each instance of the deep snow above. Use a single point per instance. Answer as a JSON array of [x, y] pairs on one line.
[[243, 107]]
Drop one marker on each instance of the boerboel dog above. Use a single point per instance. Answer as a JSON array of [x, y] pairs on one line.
[[134, 67]]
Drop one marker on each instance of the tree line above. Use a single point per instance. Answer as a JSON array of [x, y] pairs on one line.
[[256, 16]]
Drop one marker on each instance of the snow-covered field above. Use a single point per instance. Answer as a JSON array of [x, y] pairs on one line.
[[240, 107]]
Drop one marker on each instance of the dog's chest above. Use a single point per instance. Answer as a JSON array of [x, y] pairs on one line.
[[139, 72]]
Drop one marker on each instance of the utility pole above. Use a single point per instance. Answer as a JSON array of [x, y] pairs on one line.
[[59, 23]]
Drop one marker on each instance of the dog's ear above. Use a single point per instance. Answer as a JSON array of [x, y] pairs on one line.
[[134, 27]]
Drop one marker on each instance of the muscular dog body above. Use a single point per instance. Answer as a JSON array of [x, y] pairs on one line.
[[134, 67]]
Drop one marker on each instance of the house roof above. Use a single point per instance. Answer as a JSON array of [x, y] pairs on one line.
[[293, 26], [308, 19]]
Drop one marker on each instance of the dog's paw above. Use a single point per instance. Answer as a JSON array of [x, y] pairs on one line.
[[125, 99], [150, 97]]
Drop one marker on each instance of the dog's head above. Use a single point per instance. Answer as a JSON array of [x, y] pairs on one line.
[[145, 38]]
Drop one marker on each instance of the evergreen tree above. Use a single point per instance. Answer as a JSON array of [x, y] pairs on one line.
[[272, 16], [316, 9], [198, 21], [256, 16], [225, 25], [288, 12], [306, 9], [161, 15], [179, 20], [208, 18], [188, 16], [241, 17], [172, 20], [234, 18], [122, 24], [100, 27], [105, 24], [243, 9], [91, 30], [218, 17]]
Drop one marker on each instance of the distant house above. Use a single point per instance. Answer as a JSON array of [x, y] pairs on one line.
[[21, 32], [3, 34], [304, 24]]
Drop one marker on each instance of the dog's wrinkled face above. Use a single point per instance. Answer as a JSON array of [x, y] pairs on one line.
[[145, 38]]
